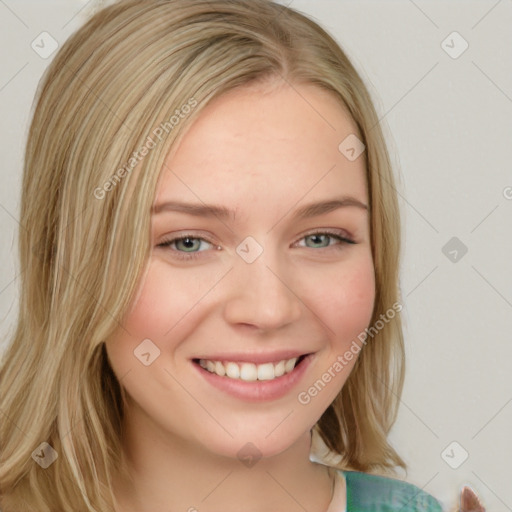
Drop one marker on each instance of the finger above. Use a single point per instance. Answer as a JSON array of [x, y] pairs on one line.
[[469, 501]]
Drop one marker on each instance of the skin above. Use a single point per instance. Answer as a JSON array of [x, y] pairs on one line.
[[263, 151]]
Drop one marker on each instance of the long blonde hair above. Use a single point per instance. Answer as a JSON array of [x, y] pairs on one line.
[[132, 69]]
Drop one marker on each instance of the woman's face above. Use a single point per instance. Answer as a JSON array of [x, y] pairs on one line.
[[266, 282]]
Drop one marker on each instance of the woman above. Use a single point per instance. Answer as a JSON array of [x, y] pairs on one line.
[[144, 375]]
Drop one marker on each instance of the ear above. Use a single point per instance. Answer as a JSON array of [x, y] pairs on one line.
[[469, 501]]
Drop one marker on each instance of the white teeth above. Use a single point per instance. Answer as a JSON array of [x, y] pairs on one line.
[[219, 369], [266, 371], [249, 371], [290, 365], [279, 369], [233, 370]]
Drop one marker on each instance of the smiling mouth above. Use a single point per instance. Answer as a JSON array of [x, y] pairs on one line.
[[250, 372]]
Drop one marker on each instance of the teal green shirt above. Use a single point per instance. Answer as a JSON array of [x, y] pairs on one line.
[[372, 493]]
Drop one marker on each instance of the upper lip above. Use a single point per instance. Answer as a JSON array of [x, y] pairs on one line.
[[256, 357]]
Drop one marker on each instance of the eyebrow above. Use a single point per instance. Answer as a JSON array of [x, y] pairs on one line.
[[210, 210]]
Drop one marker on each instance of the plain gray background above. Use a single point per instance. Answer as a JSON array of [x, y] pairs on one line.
[[448, 116]]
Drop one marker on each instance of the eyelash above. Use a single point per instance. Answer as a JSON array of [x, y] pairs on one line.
[[193, 255]]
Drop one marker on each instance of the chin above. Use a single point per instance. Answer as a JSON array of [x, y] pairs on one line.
[[260, 441]]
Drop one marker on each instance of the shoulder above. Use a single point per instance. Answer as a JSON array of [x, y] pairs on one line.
[[373, 493]]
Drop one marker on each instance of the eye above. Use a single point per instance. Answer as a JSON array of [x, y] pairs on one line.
[[186, 247], [326, 234], [187, 242]]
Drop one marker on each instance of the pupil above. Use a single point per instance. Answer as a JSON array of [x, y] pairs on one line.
[[187, 241], [316, 238]]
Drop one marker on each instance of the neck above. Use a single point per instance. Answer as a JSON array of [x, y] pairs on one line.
[[167, 472]]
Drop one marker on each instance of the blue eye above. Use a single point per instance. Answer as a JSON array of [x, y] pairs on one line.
[[326, 235], [189, 243]]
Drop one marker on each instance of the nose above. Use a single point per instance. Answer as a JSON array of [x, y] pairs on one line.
[[262, 294]]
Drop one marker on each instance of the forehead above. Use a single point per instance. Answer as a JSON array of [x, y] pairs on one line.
[[268, 146]]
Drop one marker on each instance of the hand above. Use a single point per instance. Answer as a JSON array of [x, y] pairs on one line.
[[469, 501]]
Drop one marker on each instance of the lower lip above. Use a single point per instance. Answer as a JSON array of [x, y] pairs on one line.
[[257, 390]]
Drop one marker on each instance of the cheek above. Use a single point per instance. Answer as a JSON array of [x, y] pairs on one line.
[[156, 309], [167, 308], [346, 306], [163, 302]]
